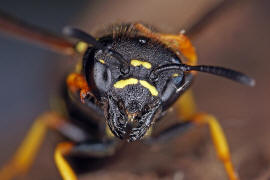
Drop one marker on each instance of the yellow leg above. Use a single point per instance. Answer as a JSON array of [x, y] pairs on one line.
[[64, 168], [186, 109], [25, 155], [219, 141]]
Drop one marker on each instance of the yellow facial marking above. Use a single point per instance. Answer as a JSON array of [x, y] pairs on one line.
[[135, 62], [132, 81], [101, 61], [123, 83], [148, 86], [175, 75]]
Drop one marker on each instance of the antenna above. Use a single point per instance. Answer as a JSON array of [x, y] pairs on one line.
[[219, 71]]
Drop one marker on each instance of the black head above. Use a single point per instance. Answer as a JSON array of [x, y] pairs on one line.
[[129, 98], [134, 79]]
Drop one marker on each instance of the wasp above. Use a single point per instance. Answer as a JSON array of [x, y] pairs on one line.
[[124, 84]]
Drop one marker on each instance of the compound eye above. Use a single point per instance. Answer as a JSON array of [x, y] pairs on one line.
[[170, 92], [102, 76]]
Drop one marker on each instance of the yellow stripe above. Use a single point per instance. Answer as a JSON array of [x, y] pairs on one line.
[[101, 61], [135, 62], [132, 81], [123, 83], [151, 88]]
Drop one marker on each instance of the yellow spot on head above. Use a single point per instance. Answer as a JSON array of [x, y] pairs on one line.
[[81, 47], [135, 62], [101, 61], [148, 86], [123, 83]]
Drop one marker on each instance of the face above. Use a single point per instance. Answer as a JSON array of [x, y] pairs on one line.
[[130, 111], [131, 101]]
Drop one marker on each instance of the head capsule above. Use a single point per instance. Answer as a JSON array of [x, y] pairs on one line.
[[135, 79], [132, 100]]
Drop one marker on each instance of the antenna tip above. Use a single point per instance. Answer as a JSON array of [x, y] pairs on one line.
[[248, 81], [252, 82]]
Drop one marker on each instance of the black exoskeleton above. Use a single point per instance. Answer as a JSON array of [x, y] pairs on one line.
[[135, 78]]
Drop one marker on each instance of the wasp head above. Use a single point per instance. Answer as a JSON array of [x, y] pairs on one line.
[[138, 78]]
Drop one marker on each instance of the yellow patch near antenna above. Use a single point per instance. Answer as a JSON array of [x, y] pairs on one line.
[[135, 62], [148, 86], [175, 75], [81, 47], [123, 83]]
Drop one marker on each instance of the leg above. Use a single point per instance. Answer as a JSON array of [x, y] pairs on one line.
[[219, 141], [217, 134], [179, 43], [186, 109], [99, 149], [26, 153], [96, 149], [64, 168]]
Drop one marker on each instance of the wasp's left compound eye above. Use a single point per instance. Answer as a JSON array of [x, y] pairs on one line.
[[102, 76]]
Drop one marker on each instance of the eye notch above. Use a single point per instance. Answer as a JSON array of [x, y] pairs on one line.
[[87, 38], [101, 61], [124, 69]]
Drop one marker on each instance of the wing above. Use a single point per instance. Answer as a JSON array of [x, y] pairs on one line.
[[22, 30]]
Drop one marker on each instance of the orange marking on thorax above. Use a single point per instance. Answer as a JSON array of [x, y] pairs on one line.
[[75, 82], [178, 43]]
